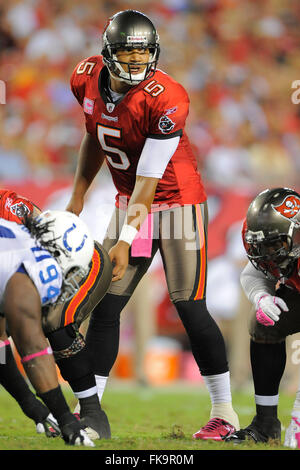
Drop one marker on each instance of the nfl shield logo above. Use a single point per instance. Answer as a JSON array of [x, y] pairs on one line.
[[110, 107]]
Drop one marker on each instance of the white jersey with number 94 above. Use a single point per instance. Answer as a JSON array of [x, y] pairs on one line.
[[19, 250]]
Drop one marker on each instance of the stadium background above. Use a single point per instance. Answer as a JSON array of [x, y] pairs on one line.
[[238, 60]]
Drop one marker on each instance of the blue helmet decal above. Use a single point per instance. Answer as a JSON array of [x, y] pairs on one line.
[[65, 241], [82, 243]]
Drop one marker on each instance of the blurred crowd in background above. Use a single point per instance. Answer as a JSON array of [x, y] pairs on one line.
[[237, 59]]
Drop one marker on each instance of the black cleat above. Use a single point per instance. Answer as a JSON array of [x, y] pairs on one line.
[[260, 430], [96, 425], [49, 426]]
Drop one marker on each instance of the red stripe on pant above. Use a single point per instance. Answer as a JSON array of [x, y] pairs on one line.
[[84, 289], [202, 247]]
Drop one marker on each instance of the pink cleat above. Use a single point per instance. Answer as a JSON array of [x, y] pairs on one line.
[[216, 429]]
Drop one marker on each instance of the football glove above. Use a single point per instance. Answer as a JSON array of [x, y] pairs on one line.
[[269, 308]]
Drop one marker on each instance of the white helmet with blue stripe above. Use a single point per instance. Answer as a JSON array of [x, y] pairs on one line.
[[69, 241]]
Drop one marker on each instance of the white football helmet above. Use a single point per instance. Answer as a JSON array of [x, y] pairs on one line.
[[69, 241]]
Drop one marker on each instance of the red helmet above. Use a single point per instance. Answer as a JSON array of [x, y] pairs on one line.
[[14, 207]]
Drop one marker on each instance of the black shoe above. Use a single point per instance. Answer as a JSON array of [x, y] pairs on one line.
[[96, 425], [49, 426], [260, 430]]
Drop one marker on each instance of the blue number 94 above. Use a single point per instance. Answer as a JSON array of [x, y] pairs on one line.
[[51, 272]]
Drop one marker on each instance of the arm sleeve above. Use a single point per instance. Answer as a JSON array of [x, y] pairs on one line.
[[156, 155], [255, 283]]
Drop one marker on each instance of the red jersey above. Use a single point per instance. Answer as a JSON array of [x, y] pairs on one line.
[[14, 207], [155, 108]]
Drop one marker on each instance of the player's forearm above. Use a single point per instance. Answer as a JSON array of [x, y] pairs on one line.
[[138, 207], [141, 200], [90, 160], [255, 283], [22, 308]]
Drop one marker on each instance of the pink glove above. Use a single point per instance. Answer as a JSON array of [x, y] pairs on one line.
[[268, 309]]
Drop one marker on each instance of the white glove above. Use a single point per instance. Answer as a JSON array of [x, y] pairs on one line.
[[268, 308], [83, 440], [292, 434]]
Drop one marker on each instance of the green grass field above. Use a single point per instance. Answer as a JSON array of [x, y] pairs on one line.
[[141, 418]]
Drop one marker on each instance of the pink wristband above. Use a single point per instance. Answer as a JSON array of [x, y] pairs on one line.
[[44, 352], [4, 343], [263, 319]]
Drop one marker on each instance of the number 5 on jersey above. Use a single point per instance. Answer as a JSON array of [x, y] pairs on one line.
[[122, 162]]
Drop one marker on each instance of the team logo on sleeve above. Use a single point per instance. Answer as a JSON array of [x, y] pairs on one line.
[[289, 208], [165, 124]]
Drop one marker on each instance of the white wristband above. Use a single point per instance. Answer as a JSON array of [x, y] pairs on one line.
[[128, 234]]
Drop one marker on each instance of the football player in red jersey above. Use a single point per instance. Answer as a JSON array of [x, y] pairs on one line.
[[271, 236], [61, 327], [135, 117]]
